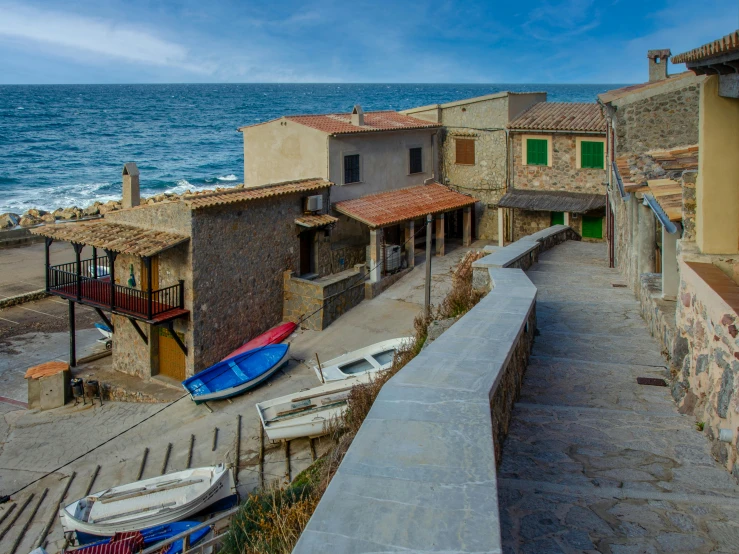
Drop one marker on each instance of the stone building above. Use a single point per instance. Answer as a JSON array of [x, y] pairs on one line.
[[187, 281], [473, 153], [557, 173], [370, 157]]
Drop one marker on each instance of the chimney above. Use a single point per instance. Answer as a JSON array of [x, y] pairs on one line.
[[131, 195], [658, 64], [357, 116]]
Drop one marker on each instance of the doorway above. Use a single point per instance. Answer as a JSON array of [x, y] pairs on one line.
[[307, 253], [171, 356]]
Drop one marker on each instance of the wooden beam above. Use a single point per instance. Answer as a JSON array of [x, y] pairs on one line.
[[175, 336], [139, 330], [105, 319]]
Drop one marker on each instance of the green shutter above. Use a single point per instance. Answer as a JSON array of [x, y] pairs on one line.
[[592, 227], [558, 218], [591, 155], [536, 152]]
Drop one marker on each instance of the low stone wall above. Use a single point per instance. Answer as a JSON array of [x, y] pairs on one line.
[[326, 298], [14, 238], [705, 362], [373, 289], [657, 312], [421, 473], [23, 298]]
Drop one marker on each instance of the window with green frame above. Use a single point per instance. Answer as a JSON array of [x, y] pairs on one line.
[[591, 154], [557, 218], [537, 151]]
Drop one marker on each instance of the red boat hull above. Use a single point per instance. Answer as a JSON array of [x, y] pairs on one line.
[[273, 336]]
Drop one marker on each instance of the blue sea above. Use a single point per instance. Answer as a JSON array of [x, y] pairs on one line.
[[65, 145]]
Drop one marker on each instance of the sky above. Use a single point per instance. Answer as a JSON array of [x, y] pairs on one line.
[[356, 41]]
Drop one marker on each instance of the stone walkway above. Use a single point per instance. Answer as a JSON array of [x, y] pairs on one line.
[[595, 462]]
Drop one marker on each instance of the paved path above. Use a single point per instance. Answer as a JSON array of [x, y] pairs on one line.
[[595, 462]]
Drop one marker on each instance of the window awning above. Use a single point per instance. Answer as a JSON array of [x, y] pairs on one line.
[[552, 201], [314, 221], [395, 206], [116, 237]]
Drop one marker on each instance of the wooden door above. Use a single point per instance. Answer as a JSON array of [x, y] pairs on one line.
[[154, 274], [171, 356]]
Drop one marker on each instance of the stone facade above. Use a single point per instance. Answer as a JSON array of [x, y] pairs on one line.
[[688, 181], [660, 121], [527, 222], [705, 365], [324, 299], [563, 174], [657, 312]]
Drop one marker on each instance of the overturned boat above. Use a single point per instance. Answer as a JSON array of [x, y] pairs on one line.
[[307, 413], [376, 357], [274, 336], [151, 502]]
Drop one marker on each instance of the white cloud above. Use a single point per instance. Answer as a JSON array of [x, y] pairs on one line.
[[70, 34]]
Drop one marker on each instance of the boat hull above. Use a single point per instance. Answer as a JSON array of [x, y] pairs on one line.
[[367, 359], [221, 491], [273, 336]]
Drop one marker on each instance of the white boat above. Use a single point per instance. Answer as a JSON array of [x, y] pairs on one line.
[[156, 501], [306, 413], [376, 357]]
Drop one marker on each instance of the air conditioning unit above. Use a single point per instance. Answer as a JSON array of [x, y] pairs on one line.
[[314, 203], [392, 258]]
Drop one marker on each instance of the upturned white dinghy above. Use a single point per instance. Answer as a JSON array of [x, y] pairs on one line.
[[155, 501], [305, 413], [372, 358]]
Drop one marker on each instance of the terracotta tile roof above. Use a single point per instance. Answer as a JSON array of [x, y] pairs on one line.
[[561, 116], [341, 123], [117, 237], [616, 94], [669, 196], [312, 221], [552, 201], [724, 45], [388, 208], [635, 169], [197, 201]]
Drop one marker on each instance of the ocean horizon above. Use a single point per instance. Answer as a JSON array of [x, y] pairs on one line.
[[65, 145]]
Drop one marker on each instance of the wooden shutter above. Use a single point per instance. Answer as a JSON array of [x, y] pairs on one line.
[[465, 151], [557, 218], [591, 155], [537, 152]]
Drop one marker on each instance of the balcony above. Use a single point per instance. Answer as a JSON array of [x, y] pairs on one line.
[[91, 284]]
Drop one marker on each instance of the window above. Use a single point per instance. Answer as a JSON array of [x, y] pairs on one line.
[[465, 151], [351, 169], [592, 227], [537, 151], [416, 160], [591, 154], [557, 218]]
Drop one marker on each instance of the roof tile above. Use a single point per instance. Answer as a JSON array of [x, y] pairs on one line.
[[561, 116], [341, 123], [198, 201], [724, 45]]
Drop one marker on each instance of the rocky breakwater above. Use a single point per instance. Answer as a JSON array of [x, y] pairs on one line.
[[33, 216]]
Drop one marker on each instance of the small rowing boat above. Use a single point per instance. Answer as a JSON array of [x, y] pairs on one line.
[[306, 413], [376, 357], [273, 336], [151, 502], [236, 375], [150, 537]]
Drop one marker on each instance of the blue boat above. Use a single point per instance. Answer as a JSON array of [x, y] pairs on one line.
[[236, 375], [153, 536]]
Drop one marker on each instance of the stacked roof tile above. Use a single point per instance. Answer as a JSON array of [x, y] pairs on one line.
[[388, 208], [561, 116], [313, 221], [207, 200], [341, 123], [724, 45]]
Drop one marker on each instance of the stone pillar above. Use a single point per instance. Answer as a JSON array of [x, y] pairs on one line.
[[670, 275], [375, 261], [440, 235], [567, 218], [131, 193], [647, 240], [410, 243], [467, 226], [501, 227]]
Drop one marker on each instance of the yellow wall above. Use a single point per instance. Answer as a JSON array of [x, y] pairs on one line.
[[717, 189]]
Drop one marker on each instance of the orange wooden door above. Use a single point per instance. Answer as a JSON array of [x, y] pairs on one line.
[[171, 356]]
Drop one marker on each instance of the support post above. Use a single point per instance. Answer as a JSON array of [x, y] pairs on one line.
[[567, 218], [111, 265], [375, 255], [139, 330], [182, 294], [94, 263], [410, 243], [647, 242], [78, 268], [72, 336], [47, 242], [670, 272], [440, 234], [501, 227], [149, 299], [467, 226], [427, 296], [105, 319]]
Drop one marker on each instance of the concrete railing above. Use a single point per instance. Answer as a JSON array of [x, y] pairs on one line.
[[421, 473]]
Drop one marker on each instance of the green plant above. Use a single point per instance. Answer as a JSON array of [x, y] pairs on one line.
[[700, 425]]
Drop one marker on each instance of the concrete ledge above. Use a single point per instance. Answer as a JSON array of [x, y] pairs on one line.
[[371, 290], [23, 298], [18, 237]]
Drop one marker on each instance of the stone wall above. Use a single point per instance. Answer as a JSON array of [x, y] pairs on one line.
[[239, 255], [688, 181], [705, 364], [657, 312], [563, 173], [661, 121], [326, 298], [527, 222], [172, 216]]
